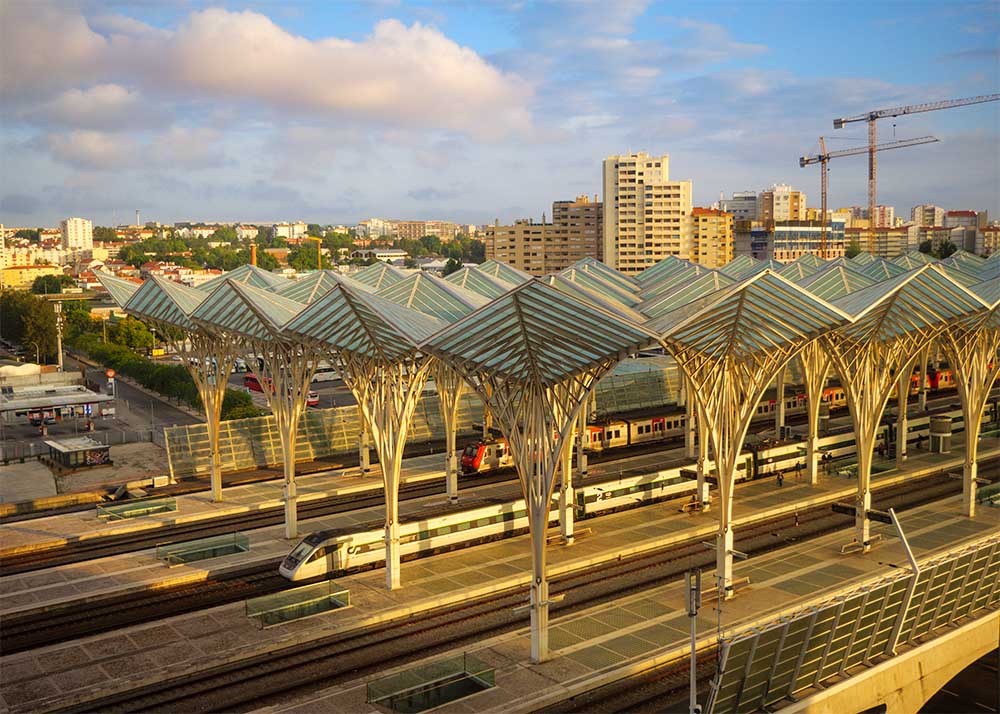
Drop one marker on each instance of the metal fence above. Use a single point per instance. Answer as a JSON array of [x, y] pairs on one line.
[[254, 443], [23, 451]]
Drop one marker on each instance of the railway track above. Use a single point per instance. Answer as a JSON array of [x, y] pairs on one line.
[[104, 546], [343, 657], [100, 547]]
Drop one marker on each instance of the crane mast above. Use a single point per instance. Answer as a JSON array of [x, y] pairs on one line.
[[873, 117], [823, 159]]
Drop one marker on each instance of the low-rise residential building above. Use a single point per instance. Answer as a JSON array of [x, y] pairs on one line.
[[541, 248], [245, 233], [292, 232], [391, 255], [415, 230], [786, 241], [21, 277], [988, 240], [888, 241]]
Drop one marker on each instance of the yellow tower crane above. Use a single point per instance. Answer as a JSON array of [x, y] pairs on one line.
[[823, 159]]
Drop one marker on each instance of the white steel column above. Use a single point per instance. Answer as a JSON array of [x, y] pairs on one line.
[[902, 397], [387, 393], [214, 358], [290, 370], [815, 368], [566, 495], [581, 447], [922, 399], [866, 375], [779, 403], [971, 349], [449, 388], [364, 449], [704, 490], [690, 428]]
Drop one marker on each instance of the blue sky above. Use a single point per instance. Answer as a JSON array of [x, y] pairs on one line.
[[475, 110]]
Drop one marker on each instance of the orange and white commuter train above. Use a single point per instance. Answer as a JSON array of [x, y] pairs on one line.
[[487, 455]]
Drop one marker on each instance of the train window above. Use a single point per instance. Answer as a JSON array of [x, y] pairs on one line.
[[300, 551], [320, 552], [470, 450]]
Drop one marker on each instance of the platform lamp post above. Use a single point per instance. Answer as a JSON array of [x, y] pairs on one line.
[[57, 308], [693, 580]]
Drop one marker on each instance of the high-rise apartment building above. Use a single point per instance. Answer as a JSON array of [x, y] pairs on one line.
[[77, 234], [742, 206], [646, 216], [927, 215], [781, 203], [711, 237], [542, 248], [577, 232], [884, 216]]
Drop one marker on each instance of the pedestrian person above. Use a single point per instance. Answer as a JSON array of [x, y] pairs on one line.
[[781, 479]]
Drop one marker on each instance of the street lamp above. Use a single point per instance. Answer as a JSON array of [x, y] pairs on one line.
[[38, 360]]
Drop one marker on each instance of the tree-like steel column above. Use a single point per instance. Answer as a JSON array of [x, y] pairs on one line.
[[815, 369], [207, 356], [702, 464], [449, 389], [779, 403], [902, 399], [289, 369], [730, 350], [215, 357], [972, 348], [728, 393], [868, 373], [387, 392], [538, 422]]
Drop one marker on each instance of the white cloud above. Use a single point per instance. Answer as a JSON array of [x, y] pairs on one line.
[[412, 75], [89, 149], [45, 46], [103, 106], [590, 121]]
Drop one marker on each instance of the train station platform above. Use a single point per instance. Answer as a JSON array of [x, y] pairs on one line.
[[102, 664], [141, 570]]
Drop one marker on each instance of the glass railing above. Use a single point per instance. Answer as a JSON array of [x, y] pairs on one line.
[[136, 509], [432, 685], [202, 549], [297, 603]]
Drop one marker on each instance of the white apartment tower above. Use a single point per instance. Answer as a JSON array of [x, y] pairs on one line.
[[77, 234], [646, 216]]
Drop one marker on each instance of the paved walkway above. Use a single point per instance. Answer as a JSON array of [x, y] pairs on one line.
[[33, 681]]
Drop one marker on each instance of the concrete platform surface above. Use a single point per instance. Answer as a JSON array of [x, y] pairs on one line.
[[655, 624], [101, 664], [140, 569]]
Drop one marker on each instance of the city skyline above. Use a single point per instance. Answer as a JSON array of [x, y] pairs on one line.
[[471, 112]]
